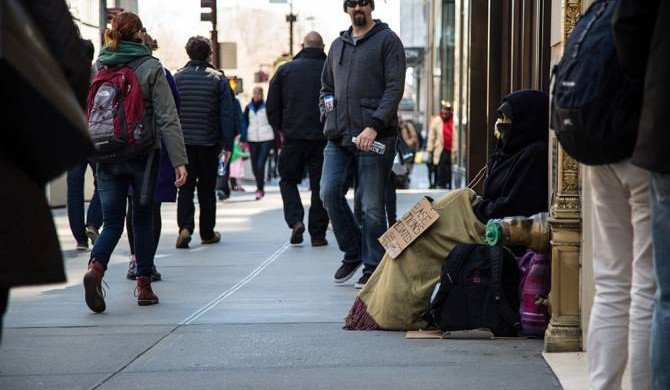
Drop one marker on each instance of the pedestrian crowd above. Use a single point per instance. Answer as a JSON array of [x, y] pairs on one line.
[[154, 137]]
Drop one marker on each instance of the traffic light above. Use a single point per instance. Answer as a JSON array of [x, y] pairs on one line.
[[211, 15]]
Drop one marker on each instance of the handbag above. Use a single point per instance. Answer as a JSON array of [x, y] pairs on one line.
[[47, 132]]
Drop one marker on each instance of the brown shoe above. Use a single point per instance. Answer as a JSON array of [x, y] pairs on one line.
[[93, 286], [296, 233], [319, 241], [145, 296], [215, 238], [183, 239]]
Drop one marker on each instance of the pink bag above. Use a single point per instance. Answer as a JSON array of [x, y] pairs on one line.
[[533, 291]]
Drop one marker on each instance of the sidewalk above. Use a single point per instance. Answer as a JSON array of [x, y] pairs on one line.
[[250, 313]]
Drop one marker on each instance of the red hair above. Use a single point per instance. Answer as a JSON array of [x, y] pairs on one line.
[[124, 27]]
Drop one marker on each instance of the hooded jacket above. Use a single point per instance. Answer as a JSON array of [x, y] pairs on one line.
[[293, 97], [517, 182], [158, 100], [367, 80]]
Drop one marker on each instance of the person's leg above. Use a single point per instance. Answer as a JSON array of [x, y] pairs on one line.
[[318, 216], [113, 189], [75, 204], [209, 162], [337, 164], [372, 176], [185, 206], [143, 215], [157, 224], [391, 200], [4, 302], [444, 170], [265, 149], [129, 226], [660, 345], [94, 213], [291, 168], [256, 166], [431, 174], [607, 345]]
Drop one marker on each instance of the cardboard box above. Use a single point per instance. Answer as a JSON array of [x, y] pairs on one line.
[[416, 221]]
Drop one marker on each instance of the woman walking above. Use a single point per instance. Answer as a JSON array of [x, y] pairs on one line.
[[260, 137]]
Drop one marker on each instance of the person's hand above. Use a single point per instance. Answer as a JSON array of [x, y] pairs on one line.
[[181, 174], [365, 139], [226, 155]]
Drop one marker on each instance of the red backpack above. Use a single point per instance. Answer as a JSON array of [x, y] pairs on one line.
[[115, 114]]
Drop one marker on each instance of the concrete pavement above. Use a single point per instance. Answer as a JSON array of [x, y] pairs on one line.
[[249, 313]]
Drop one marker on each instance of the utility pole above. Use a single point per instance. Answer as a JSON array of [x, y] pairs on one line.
[[214, 34], [102, 21], [291, 18]]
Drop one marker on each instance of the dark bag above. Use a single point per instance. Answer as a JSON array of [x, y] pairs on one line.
[[479, 288], [117, 123], [595, 107]]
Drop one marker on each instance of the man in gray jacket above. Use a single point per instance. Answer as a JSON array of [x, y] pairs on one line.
[[362, 83]]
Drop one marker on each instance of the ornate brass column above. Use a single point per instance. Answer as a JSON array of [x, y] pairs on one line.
[[564, 333]]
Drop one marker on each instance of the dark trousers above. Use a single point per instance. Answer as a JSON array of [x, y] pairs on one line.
[[444, 170], [75, 203], [203, 164], [156, 225], [295, 157], [431, 174], [113, 181], [259, 152]]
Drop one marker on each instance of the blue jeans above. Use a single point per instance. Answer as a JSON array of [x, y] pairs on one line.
[[75, 203], [660, 328], [259, 152], [113, 181], [357, 241]]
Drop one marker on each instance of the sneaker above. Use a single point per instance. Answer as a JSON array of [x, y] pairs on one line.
[[216, 238], [296, 234], [183, 239], [92, 233], [260, 194], [319, 241], [94, 296], [346, 271], [132, 269], [82, 246], [362, 281], [144, 293], [155, 275]]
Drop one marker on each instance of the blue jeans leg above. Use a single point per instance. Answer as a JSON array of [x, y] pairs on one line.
[[373, 172], [75, 202], [94, 213], [337, 164], [660, 329], [113, 192]]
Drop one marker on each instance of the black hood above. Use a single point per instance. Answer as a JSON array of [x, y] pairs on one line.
[[348, 38], [529, 112]]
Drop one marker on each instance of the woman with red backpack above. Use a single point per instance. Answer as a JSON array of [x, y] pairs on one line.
[[133, 157]]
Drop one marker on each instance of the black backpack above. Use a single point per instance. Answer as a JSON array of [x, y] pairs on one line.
[[595, 107], [479, 288]]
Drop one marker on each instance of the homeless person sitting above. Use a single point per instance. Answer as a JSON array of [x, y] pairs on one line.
[[399, 291]]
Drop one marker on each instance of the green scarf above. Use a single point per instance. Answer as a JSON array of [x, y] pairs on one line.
[[124, 53]]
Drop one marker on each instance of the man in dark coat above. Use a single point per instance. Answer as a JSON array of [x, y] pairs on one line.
[[517, 179], [293, 107], [38, 148], [643, 47]]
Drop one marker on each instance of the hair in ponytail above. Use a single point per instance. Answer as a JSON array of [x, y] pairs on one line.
[[124, 27]]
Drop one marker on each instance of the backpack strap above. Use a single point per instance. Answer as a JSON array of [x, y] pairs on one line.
[[135, 63], [496, 257]]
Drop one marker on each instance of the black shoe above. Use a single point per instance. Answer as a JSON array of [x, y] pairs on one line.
[[319, 241], [346, 271], [296, 234], [362, 281]]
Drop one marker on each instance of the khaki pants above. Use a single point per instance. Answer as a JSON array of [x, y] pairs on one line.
[[620, 324]]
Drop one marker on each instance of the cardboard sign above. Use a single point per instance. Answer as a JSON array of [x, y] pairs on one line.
[[416, 221]]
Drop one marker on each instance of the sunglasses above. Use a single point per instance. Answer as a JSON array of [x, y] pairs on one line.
[[354, 3]]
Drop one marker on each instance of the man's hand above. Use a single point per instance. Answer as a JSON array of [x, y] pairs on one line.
[[180, 173], [225, 154], [365, 139]]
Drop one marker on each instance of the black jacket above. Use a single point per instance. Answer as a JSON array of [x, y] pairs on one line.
[[642, 39], [367, 80], [293, 97], [517, 183], [207, 113]]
